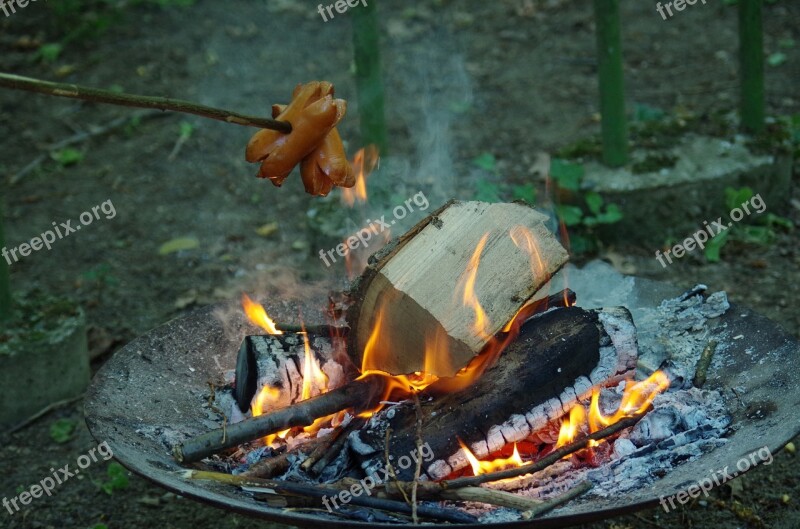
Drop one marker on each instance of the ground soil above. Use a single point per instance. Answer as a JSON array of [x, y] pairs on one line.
[[526, 85]]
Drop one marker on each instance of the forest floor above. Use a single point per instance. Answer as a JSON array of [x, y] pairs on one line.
[[522, 77]]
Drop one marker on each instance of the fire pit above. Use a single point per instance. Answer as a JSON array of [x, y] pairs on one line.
[[149, 398]]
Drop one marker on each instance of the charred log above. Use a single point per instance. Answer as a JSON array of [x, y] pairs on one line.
[[569, 348]]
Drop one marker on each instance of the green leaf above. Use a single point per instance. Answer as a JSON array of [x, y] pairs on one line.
[[578, 244], [67, 157], [487, 191], [776, 220], [569, 215], [643, 112], [176, 245], [61, 430], [118, 478], [736, 197], [714, 246], [186, 130], [611, 215], [524, 192], [757, 234], [486, 161], [776, 59], [567, 174], [594, 202], [49, 53]]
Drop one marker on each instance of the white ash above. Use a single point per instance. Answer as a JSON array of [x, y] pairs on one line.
[[678, 330]]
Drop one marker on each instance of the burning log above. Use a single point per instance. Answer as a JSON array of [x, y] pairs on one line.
[[500, 254], [278, 362], [276, 357], [364, 390], [569, 348]]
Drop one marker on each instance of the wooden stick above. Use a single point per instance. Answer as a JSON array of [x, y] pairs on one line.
[[325, 494], [272, 466], [98, 95], [321, 330], [318, 462], [359, 394], [703, 364], [582, 488]]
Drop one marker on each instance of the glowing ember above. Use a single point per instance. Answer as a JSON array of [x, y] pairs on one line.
[[364, 162], [495, 465], [258, 316]]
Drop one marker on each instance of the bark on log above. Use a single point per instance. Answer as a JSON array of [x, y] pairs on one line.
[[567, 348], [277, 361], [416, 287]]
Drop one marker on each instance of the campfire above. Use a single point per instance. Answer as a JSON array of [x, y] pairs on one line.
[[452, 374]]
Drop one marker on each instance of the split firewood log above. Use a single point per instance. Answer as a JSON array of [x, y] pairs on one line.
[[448, 286]]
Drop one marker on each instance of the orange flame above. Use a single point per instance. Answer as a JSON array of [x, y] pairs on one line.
[[268, 395], [469, 298], [364, 162], [484, 467], [635, 399], [525, 240], [258, 316], [313, 377], [571, 426]]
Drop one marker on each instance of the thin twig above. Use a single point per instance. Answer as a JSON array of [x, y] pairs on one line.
[[390, 468], [703, 363], [98, 95], [44, 411], [326, 493], [78, 138], [580, 489], [336, 447], [418, 469]]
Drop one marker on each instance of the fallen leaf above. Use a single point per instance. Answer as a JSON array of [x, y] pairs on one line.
[[267, 229], [176, 245]]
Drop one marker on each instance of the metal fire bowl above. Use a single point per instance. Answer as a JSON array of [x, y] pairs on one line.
[[159, 379]]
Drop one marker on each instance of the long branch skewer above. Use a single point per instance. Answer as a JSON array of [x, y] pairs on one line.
[[99, 95]]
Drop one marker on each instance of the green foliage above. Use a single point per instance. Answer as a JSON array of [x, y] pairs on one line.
[[761, 230], [487, 191], [567, 174], [49, 53], [644, 112], [99, 526], [117, 479], [67, 156], [486, 161], [776, 59], [61, 431], [525, 192]]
